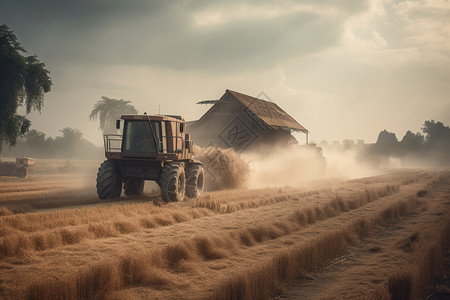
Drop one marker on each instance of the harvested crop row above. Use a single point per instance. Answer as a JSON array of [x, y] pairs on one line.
[[395, 262], [230, 201], [231, 205], [50, 219], [18, 243], [360, 194], [415, 277], [7, 192], [14, 242], [13, 180], [160, 267], [43, 220], [312, 254], [208, 248], [294, 263], [226, 196], [106, 215], [46, 200], [412, 176], [33, 193], [100, 271], [31, 186]]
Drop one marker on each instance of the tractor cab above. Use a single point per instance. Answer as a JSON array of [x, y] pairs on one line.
[[144, 136]]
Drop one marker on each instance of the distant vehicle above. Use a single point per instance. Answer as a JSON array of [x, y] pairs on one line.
[[16, 169], [150, 148]]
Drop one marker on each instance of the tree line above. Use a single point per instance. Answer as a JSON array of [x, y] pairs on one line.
[[70, 144], [431, 146]]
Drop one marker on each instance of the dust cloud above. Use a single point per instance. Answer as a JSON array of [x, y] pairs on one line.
[[348, 164], [279, 167], [298, 165]]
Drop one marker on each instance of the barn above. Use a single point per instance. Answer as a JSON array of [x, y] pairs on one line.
[[244, 123]]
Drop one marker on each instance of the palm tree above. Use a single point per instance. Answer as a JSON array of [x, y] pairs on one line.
[[71, 135], [68, 144], [108, 110]]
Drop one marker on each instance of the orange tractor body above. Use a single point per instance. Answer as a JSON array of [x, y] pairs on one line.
[[150, 148]]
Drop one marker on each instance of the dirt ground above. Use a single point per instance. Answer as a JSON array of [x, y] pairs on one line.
[[380, 237]]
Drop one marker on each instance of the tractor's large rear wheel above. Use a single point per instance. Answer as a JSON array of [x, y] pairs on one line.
[[20, 171], [109, 181], [134, 187], [195, 177], [172, 182]]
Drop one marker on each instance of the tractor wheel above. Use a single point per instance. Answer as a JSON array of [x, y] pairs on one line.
[[134, 187], [172, 182], [195, 179], [109, 183], [21, 172]]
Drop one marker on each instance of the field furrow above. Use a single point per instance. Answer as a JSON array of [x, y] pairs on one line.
[[235, 244], [397, 261]]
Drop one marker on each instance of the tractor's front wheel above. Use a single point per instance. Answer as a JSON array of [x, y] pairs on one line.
[[134, 187], [195, 180], [109, 182], [172, 182]]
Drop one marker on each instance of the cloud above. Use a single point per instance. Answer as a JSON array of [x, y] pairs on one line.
[[390, 67], [194, 35], [399, 33]]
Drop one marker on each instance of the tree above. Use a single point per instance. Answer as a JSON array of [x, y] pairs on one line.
[[23, 81], [437, 134], [387, 143], [348, 144], [412, 142], [108, 110], [73, 145], [35, 140]]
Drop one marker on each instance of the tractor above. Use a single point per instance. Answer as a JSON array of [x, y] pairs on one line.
[[150, 148], [17, 169]]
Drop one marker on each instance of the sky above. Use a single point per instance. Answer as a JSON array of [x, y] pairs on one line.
[[344, 69]]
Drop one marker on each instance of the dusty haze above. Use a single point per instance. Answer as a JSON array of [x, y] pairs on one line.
[[346, 69], [352, 224]]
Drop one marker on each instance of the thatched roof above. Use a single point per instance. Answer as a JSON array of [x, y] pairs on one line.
[[267, 111]]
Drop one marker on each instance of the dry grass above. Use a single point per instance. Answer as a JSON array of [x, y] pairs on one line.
[[8, 189], [227, 203], [254, 221], [292, 264], [400, 286], [413, 281], [48, 230], [224, 168], [5, 212], [55, 227], [296, 262]]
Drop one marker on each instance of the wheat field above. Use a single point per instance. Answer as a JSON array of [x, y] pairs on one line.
[[380, 237]]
